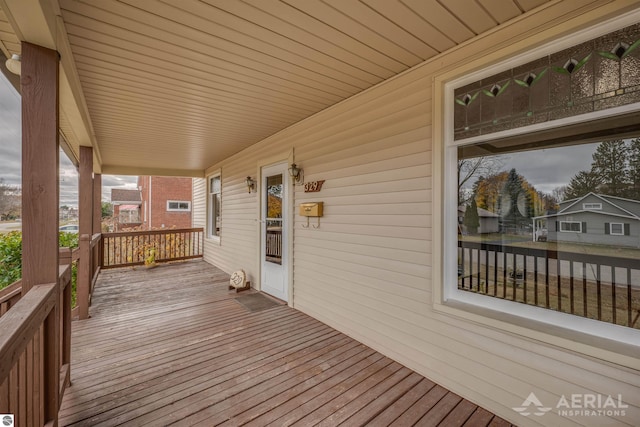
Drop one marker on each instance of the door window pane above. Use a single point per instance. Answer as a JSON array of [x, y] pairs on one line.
[[273, 226]]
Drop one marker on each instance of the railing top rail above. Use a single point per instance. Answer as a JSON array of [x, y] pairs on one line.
[[151, 232], [10, 290], [555, 254], [20, 323], [95, 239]]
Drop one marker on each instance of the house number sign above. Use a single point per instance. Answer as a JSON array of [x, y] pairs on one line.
[[313, 186]]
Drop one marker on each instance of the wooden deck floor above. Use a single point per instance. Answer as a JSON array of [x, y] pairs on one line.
[[172, 345]]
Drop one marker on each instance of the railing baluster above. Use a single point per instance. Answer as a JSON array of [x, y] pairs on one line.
[[546, 282], [524, 278], [599, 291], [584, 288], [479, 272], [486, 271], [504, 275], [495, 273], [571, 291], [461, 266], [613, 295], [515, 276], [629, 310], [559, 286], [535, 280]]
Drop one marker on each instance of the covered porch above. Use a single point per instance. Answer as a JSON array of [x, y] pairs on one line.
[[358, 97], [172, 345]]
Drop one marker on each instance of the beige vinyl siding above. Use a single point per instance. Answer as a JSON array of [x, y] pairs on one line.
[[199, 203], [367, 270]]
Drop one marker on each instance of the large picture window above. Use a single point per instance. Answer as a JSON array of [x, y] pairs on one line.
[[542, 187], [525, 236], [214, 202]]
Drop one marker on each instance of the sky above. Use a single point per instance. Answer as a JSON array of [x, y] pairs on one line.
[[551, 168], [11, 148]]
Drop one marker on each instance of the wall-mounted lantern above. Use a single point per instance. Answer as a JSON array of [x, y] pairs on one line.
[[251, 184]]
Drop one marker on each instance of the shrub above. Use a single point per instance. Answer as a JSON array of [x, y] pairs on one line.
[[10, 258], [11, 255]]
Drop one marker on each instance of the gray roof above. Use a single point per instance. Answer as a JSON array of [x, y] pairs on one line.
[[125, 196]]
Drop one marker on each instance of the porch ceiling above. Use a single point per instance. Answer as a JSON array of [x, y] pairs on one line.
[[178, 86]]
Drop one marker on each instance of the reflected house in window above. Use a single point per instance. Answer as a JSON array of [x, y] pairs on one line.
[[595, 219], [489, 221]]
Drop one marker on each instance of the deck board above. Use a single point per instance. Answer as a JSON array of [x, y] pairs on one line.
[[172, 346]]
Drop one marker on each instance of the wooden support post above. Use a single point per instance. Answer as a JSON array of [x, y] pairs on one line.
[[40, 198], [40, 158], [85, 208]]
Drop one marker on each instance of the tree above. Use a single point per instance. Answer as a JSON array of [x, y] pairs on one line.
[[10, 200], [471, 217], [472, 167], [107, 209], [488, 189], [516, 201], [581, 184], [610, 167], [634, 169]]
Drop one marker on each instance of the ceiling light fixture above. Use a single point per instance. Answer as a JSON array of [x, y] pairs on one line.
[[13, 64]]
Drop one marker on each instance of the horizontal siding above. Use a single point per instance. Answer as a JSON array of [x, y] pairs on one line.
[[367, 270], [199, 203]]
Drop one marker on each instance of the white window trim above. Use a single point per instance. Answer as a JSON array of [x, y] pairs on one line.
[[621, 233], [210, 234], [188, 209], [589, 336], [592, 206], [570, 231]]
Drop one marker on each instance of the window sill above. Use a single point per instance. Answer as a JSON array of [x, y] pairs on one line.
[[613, 351], [213, 239]]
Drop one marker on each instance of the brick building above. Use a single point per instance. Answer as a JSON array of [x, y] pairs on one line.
[[166, 201]]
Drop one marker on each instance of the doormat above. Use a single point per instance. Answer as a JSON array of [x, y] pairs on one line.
[[257, 302]]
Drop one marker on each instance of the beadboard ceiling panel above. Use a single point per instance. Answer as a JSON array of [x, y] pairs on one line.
[[182, 85]]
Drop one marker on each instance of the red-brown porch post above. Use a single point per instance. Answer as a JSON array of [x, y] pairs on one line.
[[85, 207], [40, 198]]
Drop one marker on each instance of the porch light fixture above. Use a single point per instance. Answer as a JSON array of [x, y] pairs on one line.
[[251, 183], [13, 64], [296, 173]]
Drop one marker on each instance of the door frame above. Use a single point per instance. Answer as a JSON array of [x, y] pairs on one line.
[[288, 158]]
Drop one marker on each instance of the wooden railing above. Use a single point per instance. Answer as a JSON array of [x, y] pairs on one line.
[[88, 270], [35, 351], [273, 245], [598, 287], [132, 248], [9, 296]]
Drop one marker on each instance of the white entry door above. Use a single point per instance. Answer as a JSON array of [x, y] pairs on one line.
[[275, 262]]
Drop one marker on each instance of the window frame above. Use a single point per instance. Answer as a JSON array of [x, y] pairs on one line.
[[178, 209], [590, 336], [561, 223], [211, 206], [621, 224], [592, 206]]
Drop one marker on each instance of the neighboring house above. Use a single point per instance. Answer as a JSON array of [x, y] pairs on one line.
[[489, 221], [166, 201], [596, 219], [126, 208]]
